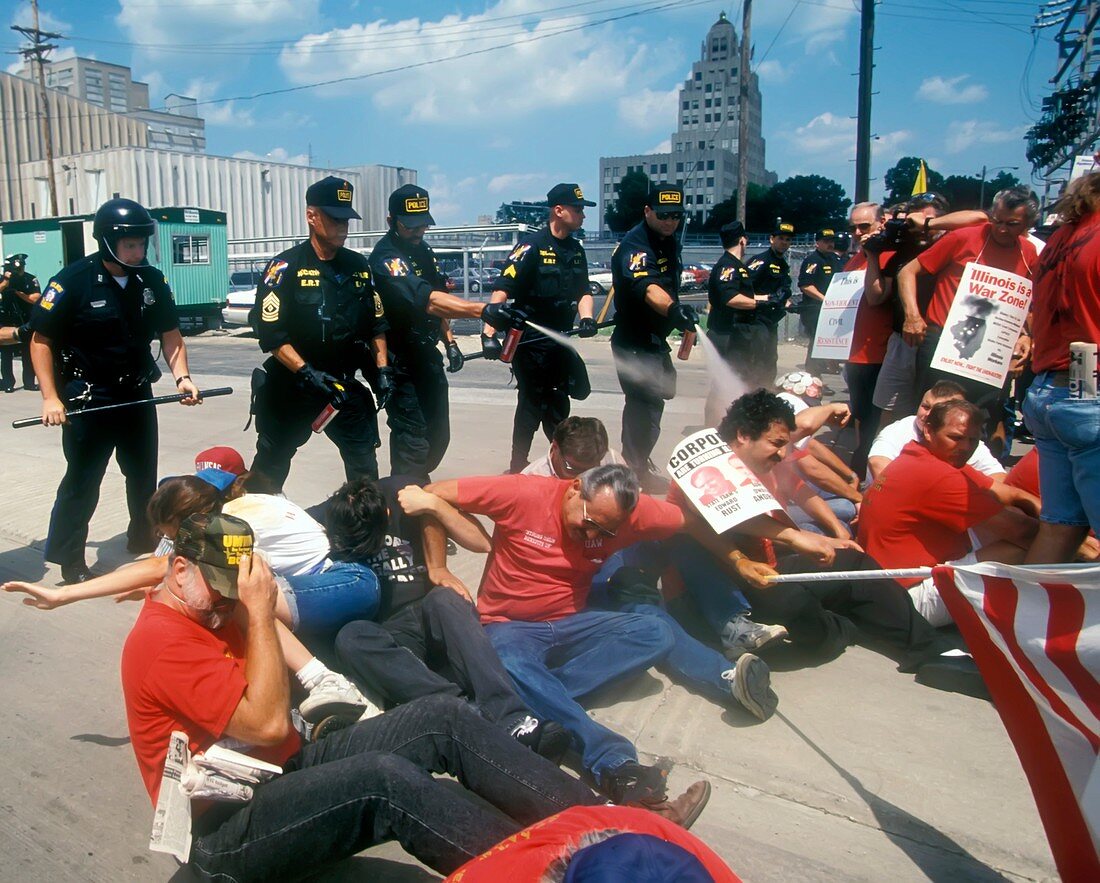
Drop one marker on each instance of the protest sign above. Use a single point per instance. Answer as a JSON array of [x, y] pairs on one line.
[[837, 322], [984, 323]]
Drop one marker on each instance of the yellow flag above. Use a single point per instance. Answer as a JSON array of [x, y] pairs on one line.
[[921, 184]]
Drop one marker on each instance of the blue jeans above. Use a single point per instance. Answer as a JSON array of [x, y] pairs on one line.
[[1067, 434], [844, 510], [556, 663], [323, 602]]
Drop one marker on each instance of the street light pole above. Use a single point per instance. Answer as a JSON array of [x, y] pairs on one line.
[[981, 192]]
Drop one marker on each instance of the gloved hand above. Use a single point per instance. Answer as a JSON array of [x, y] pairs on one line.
[[455, 359], [384, 390], [684, 317], [502, 316], [318, 382], [587, 327], [491, 347]]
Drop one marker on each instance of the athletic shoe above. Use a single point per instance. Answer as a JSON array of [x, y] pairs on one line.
[[741, 635], [548, 739], [71, 574], [335, 694], [750, 683], [686, 808], [636, 783]]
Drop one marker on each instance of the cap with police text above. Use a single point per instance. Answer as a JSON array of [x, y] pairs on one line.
[[567, 194], [409, 205], [215, 543], [731, 233], [333, 196], [783, 228], [826, 233], [666, 198]]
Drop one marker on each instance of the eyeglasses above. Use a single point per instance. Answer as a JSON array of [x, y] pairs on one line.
[[859, 228], [588, 522], [1012, 225], [669, 216]]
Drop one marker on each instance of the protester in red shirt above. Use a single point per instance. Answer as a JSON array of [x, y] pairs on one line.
[[921, 508], [187, 667], [1067, 429]]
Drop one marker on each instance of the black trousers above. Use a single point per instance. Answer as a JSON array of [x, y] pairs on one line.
[[542, 386], [418, 414], [284, 418], [374, 782], [88, 442], [832, 614], [7, 372], [434, 646], [648, 380], [861, 381]]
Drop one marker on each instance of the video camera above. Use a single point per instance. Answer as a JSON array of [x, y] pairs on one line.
[[889, 238], [15, 263]]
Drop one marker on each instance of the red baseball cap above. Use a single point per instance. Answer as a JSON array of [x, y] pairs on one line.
[[220, 457]]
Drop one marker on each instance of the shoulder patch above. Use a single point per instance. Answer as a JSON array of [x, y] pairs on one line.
[[518, 252], [637, 262], [273, 276], [726, 274], [396, 267], [810, 268], [52, 295], [509, 271], [269, 309]]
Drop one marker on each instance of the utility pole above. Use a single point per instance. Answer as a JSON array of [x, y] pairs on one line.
[[743, 114], [863, 120], [36, 52]]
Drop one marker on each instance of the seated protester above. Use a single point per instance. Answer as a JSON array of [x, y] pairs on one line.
[[428, 639], [578, 444], [891, 439], [186, 666], [921, 509], [551, 536]]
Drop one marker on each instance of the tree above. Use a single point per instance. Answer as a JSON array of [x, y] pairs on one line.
[[900, 179], [627, 208], [726, 210], [810, 202]]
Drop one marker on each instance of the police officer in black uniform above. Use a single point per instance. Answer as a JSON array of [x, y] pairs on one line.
[[319, 317], [547, 278], [90, 347], [19, 292], [418, 306], [814, 277], [771, 279], [645, 271], [731, 324]]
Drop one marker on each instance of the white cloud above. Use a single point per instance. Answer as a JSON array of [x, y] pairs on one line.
[[774, 72], [829, 134], [24, 17], [520, 185], [16, 67], [943, 90], [533, 76], [962, 135], [648, 110], [208, 23], [276, 154], [663, 147]]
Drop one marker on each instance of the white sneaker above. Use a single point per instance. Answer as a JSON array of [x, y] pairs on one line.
[[741, 635], [335, 694]]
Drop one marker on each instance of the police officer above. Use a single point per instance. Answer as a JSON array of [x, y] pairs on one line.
[[732, 326], [547, 278], [645, 272], [814, 277], [771, 280], [318, 316], [19, 292], [90, 347], [417, 304]]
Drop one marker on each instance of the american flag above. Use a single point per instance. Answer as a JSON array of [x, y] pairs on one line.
[[1035, 635]]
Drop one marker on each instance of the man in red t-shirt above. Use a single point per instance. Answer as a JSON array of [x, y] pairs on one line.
[[921, 508], [1002, 244], [1067, 428], [187, 666]]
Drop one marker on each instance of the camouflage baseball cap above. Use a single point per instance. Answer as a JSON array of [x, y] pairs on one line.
[[215, 543]]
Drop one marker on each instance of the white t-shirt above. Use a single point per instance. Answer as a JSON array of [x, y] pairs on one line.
[[293, 542], [799, 406], [891, 439], [542, 465]]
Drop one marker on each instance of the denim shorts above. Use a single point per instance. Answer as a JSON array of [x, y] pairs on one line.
[[1067, 434], [325, 601]]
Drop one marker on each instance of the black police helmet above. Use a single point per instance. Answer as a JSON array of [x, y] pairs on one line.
[[118, 219]]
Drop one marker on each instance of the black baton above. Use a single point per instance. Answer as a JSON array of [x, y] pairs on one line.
[[609, 324], [156, 400]]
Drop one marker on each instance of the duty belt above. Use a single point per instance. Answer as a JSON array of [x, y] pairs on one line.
[[129, 380]]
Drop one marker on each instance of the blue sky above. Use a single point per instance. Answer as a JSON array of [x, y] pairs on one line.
[[552, 86]]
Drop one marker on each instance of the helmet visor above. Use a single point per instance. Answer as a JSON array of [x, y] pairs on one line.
[[132, 245]]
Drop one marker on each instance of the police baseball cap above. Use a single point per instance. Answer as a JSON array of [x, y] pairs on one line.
[[731, 233], [783, 228], [825, 233], [666, 198], [215, 543], [567, 194], [409, 205], [333, 196]]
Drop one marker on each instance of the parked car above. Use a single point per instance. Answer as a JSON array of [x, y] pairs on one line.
[[694, 277], [241, 295], [599, 279]]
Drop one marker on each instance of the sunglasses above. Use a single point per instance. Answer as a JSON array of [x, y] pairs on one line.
[[669, 216], [588, 522]]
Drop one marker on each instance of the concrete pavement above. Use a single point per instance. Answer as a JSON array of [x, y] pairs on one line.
[[861, 775]]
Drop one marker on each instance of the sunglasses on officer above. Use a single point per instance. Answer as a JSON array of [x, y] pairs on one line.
[[669, 216]]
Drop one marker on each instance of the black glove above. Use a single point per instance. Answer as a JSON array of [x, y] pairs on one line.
[[587, 327], [384, 390], [491, 347], [502, 317], [455, 359], [316, 382], [684, 317], [23, 333]]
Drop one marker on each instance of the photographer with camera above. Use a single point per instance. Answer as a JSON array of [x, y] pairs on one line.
[[19, 292]]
